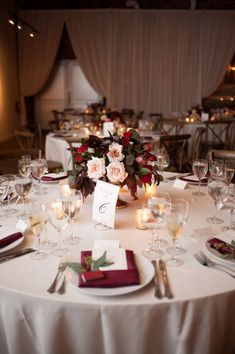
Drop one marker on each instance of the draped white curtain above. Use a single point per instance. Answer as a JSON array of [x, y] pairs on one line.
[[156, 61]]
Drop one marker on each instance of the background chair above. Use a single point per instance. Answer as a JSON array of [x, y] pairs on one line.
[[157, 120], [222, 155], [176, 147]]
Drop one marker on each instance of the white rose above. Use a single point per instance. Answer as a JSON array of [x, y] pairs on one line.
[[96, 168], [116, 172], [115, 152]]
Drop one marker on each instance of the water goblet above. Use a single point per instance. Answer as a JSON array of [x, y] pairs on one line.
[[217, 190], [71, 203], [38, 168], [23, 187], [36, 218], [230, 203], [200, 168], [3, 192], [175, 222], [59, 220]]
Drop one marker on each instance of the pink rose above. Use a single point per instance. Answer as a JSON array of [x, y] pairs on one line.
[[96, 168], [115, 152], [116, 172]]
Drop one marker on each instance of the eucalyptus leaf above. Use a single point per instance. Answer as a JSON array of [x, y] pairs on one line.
[[130, 159], [144, 171], [77, 267], [99, 262]]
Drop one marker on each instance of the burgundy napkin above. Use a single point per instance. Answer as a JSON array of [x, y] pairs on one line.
[[9, 239], [49, 179], [222, 247], [113, 278], [188, 179]]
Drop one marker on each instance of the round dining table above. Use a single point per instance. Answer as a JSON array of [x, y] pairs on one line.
[[198, 320]]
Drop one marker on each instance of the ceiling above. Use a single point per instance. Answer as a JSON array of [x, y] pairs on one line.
[[123, 4]]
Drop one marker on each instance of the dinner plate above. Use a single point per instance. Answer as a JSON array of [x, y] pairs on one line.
[[146, 272], [12, 245], [217, 254]]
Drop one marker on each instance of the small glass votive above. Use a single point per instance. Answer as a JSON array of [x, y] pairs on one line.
[[139, 214], [150, 190]]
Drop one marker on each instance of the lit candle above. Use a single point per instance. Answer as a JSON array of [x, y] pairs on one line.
[[150, 190], [140, 216]]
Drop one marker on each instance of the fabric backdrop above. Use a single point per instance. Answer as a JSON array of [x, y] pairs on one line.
[[151, 60]]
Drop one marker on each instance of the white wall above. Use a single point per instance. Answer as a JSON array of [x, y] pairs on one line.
[[9, 118]]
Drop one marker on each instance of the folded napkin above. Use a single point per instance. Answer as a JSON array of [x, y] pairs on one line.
[[113, 278], [192, 179], [54, 177], [222, 247], [7, 240]]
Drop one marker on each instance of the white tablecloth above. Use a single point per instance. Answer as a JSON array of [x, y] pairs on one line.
[[200, 319], [56, 149]]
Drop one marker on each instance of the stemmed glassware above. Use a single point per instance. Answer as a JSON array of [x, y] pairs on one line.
[[23, 187], [176, 250], [59, 220], [162, 161], [175, 223], [154, 218], [216, 168], [230, 203], [71, 203], [38, 168], [46, 244], [228, 171], [200, 168], [3, 192], [10, 194], [217, 190], [24, 167], [36, 218]]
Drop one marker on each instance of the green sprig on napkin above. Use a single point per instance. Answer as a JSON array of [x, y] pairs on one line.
[[89, 264]]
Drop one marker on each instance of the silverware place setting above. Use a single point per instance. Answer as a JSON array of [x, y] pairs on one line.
[[203, 259], [161, 278]]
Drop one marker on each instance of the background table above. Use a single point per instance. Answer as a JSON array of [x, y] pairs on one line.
[[198, 320]]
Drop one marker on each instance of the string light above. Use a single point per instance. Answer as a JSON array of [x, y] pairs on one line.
[[14, 20]]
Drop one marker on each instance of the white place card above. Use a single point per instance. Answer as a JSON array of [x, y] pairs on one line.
[[21, 225], [104, 203], [178, 183], [115, 255]]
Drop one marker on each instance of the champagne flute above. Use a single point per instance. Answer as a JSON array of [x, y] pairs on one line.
[[36, 218], [3, 192], [228, 172], [200, 168], [162, 161], [38, 168], [175, 223], [59, 220], [23, 187], [46, 244], [217, 190], [24, 167], [176, 250], [71, 203]]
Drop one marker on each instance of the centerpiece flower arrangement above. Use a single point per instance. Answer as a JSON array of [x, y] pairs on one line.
[[118, 159]]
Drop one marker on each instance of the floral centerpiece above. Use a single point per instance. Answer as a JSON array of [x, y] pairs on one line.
[[121, 160]]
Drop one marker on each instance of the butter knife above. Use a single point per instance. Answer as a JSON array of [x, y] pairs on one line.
[[156, 279], [16, 254], [168, 291]]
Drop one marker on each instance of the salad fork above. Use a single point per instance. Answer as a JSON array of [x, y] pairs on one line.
[[205, 261]]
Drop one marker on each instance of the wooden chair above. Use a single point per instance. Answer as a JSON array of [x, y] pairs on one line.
[[222, 155], [196, 144], [157, 119], [176, 147]]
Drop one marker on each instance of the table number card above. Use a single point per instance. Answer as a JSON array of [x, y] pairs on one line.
[[104, 203]]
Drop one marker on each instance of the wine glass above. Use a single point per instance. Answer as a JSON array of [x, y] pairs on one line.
[[230, 203], [23, 187], [216, 168], [175, 222], [162, 161], [71, 203], [3, 192], [217, 190], [10, 194], [59, 220], [38, 168], [24, 167], [176, 249], [228, 172], [154, 218], [36, 218], [200, 168]]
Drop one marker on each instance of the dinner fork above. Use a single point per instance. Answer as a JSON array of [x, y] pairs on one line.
[[61, 269], [205, 261]]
